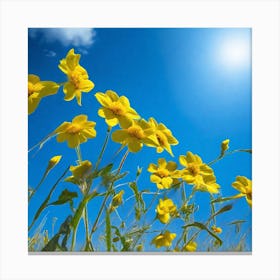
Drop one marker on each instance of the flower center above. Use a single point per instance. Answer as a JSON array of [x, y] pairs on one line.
[[74, 129], [75, 79], [249, 195], [136, 131], [163, 173], [161, 138], [193, 169], [118, 109], [31, 89]]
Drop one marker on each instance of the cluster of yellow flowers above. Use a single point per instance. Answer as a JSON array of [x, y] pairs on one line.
[[133, 132], [195, 172]]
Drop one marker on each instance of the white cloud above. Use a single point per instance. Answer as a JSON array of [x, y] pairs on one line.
[[49, 53], [77, 37]]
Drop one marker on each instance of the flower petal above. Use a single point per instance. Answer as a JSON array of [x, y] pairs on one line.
[[103, 99], [171, 165], [120, 136], [113, 95], [69, 90], [134, 146], [86, 85], [155, 179], [33, 103], [183, 160], [49, 88], [73, 141], [152, 168]]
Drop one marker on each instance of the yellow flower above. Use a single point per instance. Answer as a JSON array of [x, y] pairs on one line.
[[134, 135], [206, 184], [79, 172], [244, 185], [76, 132], [198, 173], [115, 110], [164, 240], [54, 161], [78, 80], [165, 209], [190, 247], [117, 200], [164, 136], [162, 173], [217, 229], [37, 90], [224, 146]]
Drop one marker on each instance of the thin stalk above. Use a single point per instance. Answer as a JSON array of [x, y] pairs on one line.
[[85, 214], [229, 153], [40, 183], [79, 154], [103, 147], [94, 227], [73, 242]]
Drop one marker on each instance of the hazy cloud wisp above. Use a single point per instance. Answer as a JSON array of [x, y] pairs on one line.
[[77, 37]]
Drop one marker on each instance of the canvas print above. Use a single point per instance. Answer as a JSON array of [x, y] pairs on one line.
[[139, 140]]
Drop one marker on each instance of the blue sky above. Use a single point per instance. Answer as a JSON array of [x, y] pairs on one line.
[[195, 81]]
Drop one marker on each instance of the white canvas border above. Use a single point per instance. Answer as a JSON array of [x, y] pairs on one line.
[[262, 16]]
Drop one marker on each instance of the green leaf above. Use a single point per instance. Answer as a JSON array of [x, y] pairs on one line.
[[223, 199], [64, 197], [78, 214], [246, 150], [138, 197], [108, 231], [105, 170], [203, 227], [121, 237], [226, 208], [237, 222], [119, 176], [52, 244], [64, 229]]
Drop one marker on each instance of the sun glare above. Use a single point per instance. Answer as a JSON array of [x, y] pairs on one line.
[[235, 52]]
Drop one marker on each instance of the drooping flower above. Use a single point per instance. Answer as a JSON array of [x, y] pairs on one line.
[[78, 80], [190, 247], [198, 173], [164, 240], [37, 90], [244, 185], [206, 183], [162, 174], [117, 200], [80, 173], [164, 136], [134, 134], [76, 132], [224, 146], [115, 109], [165, 209], [216, 229]]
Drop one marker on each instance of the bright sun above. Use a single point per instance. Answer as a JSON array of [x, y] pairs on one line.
[[235, 52]]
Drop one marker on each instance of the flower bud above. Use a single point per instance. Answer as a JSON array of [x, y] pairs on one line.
[[224, 146]]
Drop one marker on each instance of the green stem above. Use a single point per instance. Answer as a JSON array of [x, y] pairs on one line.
[[213, 208], [86, 227], [103, 147], [79, 154], [94, 227], [229, 153], [40, 183], [73, 242]]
